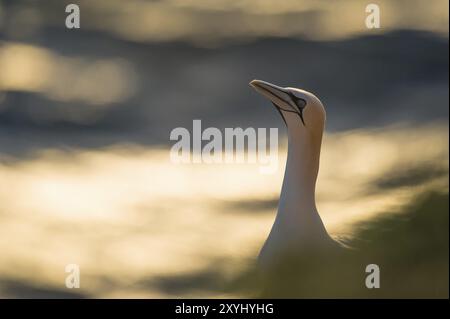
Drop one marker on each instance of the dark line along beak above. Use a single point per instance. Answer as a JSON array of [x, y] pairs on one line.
[[279, 94]]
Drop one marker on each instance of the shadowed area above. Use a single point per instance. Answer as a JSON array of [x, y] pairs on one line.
[[20, 289], [201, 282], [411, 250], [409, 177], [251, 206]]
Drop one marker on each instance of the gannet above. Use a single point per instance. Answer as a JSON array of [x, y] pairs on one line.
[[298, 227]]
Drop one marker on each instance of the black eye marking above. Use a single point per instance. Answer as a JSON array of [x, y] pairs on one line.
[[300, 103]]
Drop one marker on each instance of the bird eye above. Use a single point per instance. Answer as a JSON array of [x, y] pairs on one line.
[[300, 102], [295, 95]]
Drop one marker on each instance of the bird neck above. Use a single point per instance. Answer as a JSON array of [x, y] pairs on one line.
[[302, 167], [297, 206]]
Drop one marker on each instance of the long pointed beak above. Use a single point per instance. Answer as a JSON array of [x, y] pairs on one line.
[[281, 98], [278, 95]]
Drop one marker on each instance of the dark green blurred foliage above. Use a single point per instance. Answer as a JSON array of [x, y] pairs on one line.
[[411, 248]]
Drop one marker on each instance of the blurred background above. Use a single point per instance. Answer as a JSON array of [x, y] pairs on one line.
[[85, 118]]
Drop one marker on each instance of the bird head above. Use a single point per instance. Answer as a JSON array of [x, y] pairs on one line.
[[296, 106]]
